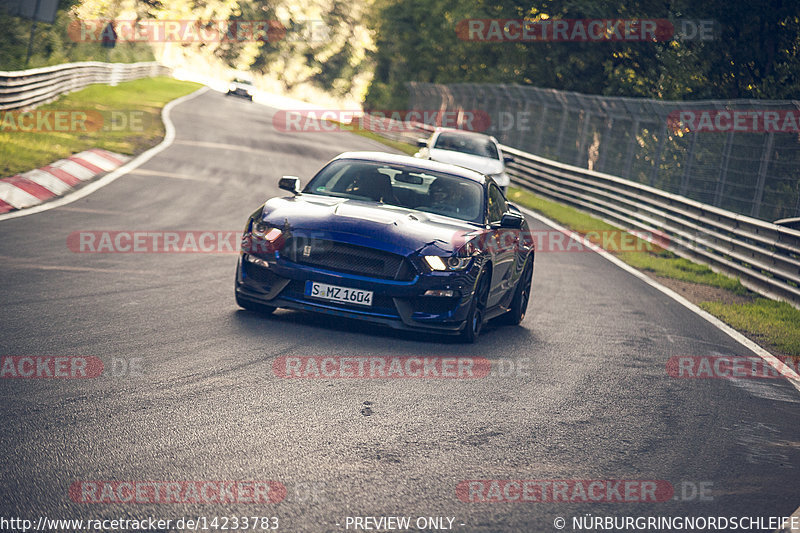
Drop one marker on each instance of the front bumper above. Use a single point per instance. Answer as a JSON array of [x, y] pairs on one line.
[[241, 93], [397, 304]]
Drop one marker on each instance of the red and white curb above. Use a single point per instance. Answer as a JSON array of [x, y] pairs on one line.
[[36, 186]]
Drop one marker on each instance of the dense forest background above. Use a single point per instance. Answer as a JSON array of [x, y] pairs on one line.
[[367, 51]]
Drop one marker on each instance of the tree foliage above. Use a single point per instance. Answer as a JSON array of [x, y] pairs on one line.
[[754, 52]]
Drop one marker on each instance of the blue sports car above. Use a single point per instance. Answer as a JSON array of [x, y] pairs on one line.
[[395, 240]]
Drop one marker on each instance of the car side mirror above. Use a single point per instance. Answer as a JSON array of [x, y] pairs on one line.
[[422, 143], [508, 159], [290, 183], [512, 220]]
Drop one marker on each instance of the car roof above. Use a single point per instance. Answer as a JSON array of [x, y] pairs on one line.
[[424, 164]]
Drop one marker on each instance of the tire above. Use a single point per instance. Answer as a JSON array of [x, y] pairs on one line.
[[253, 306], [474, 323], [522, 294]]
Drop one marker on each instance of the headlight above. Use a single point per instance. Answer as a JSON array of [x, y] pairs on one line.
[[447, 263], [262, 238], [250, 92], [231, 87]]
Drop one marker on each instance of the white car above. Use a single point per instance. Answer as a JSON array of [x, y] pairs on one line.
[[242, 87], [471, 150]]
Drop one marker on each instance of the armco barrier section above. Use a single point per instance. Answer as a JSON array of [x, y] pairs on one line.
[[27, 88]]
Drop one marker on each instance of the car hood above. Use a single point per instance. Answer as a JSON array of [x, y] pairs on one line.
[[384, 227], [484, 165]]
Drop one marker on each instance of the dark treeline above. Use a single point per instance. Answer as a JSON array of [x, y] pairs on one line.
[[754, 51], [53, 45]]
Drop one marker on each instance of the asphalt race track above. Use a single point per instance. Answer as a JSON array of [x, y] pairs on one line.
[[587, 396]]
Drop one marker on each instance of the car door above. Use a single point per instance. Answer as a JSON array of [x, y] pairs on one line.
[[502, 245]]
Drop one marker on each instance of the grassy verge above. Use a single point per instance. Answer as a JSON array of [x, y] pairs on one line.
[[131, 123], [771, 323], [397, 145]]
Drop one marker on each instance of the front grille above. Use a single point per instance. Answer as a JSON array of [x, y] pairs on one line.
[[348, 258]]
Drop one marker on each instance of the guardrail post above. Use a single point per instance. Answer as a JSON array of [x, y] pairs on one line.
[[660, 148], [723, 172], [762, 174], [688, 161], [631, 149], [537, 143], [561, 130], [587, 117], [605, 143]]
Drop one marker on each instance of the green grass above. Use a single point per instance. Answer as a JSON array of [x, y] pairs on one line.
[[142, 99], [397, 145], [776, 322]]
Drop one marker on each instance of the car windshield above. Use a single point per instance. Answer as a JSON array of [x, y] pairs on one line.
[[402, 186], [242, 82], [467, 144]]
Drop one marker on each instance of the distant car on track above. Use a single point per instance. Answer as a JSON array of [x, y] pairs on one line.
[[396, 240], [242, 87], [468, 149]]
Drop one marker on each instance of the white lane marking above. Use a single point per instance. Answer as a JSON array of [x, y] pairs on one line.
[[169, 138], [47, 180], [770, 359], [11, 194], [174, 175], [93, 211], [16, 262], [222, 146]]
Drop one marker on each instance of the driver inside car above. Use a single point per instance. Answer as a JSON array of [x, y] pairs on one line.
[[447, 197]]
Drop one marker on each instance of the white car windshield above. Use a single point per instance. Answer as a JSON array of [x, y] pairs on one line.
[[467, 144]]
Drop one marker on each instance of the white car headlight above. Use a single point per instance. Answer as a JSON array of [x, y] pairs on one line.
[[232, 87], [447, 263]]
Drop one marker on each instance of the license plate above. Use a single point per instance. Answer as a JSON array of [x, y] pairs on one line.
[[334, 293]]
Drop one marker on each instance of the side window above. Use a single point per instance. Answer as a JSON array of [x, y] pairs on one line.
[[497, 204]]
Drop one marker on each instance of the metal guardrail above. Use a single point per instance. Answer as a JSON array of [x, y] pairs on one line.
[[764, 256], [27, 88]]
